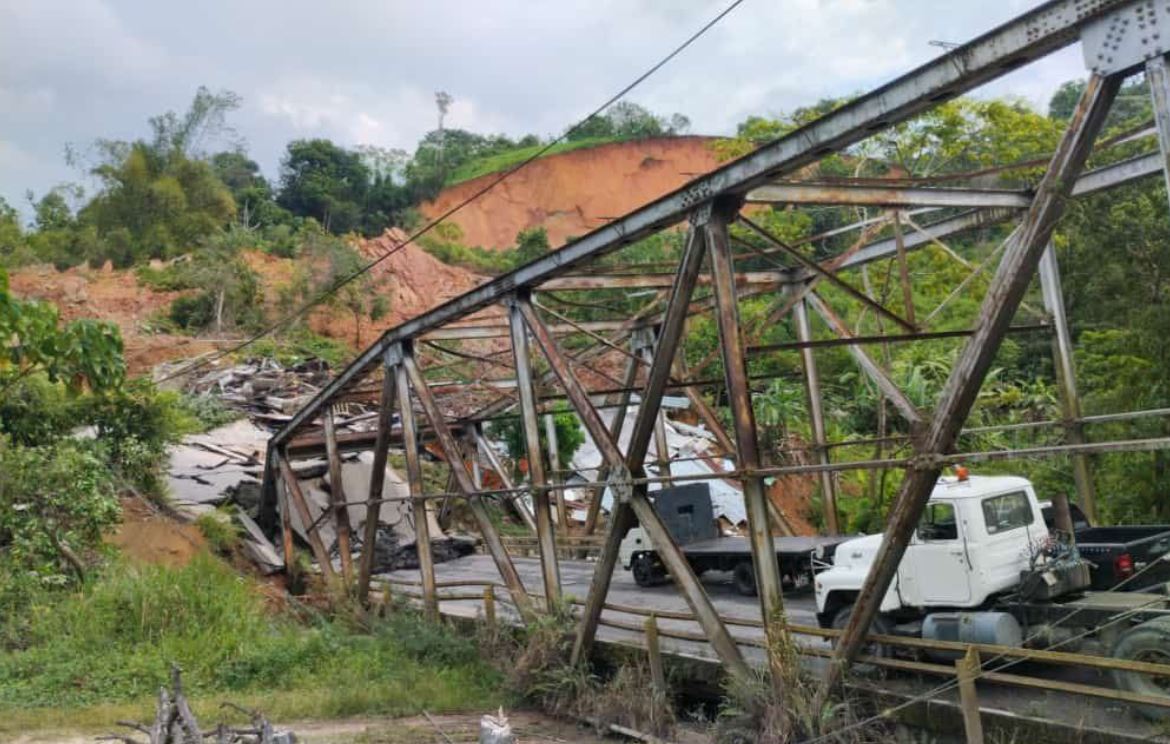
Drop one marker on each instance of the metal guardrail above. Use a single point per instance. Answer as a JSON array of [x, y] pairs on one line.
[[1040, 656]]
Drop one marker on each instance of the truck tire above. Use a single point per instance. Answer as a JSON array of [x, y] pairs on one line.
[[647, 570], [1150, 642], [880, 626], [744, 578]]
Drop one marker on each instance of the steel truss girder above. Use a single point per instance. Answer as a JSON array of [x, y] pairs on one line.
[[1039, 32]]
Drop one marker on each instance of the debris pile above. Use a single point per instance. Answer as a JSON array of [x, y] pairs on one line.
[[263, 389], [175, 723], [225, 467]]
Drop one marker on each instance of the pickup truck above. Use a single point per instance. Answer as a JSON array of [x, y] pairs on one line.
[[980, 568], [689, 517], [1117, 553]]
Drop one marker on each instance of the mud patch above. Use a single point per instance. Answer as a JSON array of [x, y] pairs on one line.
[[146, 536]]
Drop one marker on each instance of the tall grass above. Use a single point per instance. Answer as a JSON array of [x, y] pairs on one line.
[[111, 644]]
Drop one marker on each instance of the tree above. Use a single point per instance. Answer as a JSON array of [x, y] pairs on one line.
[[321, 180], [255, 203], [531, 244], [158, 199]]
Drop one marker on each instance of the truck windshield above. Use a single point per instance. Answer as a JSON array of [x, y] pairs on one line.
[[1007, 512]]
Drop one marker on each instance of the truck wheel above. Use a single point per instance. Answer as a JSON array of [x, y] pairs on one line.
[[647, 571], [1149, 642], [879, 626], [744, 578]]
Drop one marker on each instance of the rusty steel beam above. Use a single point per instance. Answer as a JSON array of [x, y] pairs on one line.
[[493, 459], [816, 414], [621, 404], [747, 450], [377, 480], [337, 497], [546, 539], [872, 369], [454, 455], [878, 195], [297, 497], [586, 282], [827, 274], [418, 506], [1016, 269], [1066, 379]]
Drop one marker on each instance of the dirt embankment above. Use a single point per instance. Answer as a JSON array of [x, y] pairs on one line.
[[411, 278], [573, 193]]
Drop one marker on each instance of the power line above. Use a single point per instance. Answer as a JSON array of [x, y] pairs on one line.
[[337, 285]]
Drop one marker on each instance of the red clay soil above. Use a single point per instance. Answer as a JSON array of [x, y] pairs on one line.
[[116, 296], [576, 192], [414, 281], [146, 536]]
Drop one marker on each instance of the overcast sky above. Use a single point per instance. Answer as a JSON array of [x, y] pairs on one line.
[[366, 72]]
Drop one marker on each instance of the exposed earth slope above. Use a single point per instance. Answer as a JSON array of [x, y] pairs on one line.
[[575, 192]]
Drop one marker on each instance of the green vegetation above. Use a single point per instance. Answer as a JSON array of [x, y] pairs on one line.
[[78, 657], [507, 159]]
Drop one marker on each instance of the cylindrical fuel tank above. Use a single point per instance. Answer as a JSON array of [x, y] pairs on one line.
[[998, 628]]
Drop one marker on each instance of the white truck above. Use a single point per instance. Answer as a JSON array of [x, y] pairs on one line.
[[689, 516], [981, 568]]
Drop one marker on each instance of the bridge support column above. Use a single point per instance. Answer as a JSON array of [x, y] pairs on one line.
[[377, 475], [816, 414], [550, 571], [418, 504], [1066, 379]]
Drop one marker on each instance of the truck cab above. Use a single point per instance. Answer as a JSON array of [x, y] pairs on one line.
[[976, 535]]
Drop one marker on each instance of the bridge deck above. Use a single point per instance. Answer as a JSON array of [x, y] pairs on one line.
[[1061, 709]]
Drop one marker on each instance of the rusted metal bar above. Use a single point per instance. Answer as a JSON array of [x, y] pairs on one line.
[[554, 464], [418, 507], [643, 343], [293, 488], [872, 369], [904, 268], [1158, 78], [878, 195], [1066, 378], [491, 538], [493, 459], [827, 274], [286, 532], [549, 569], [591, 282], [337, 497], [1007, 289], [669, 336], [816, 414], [621, 405], [377, 478], [886, 338], [739, 397]]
